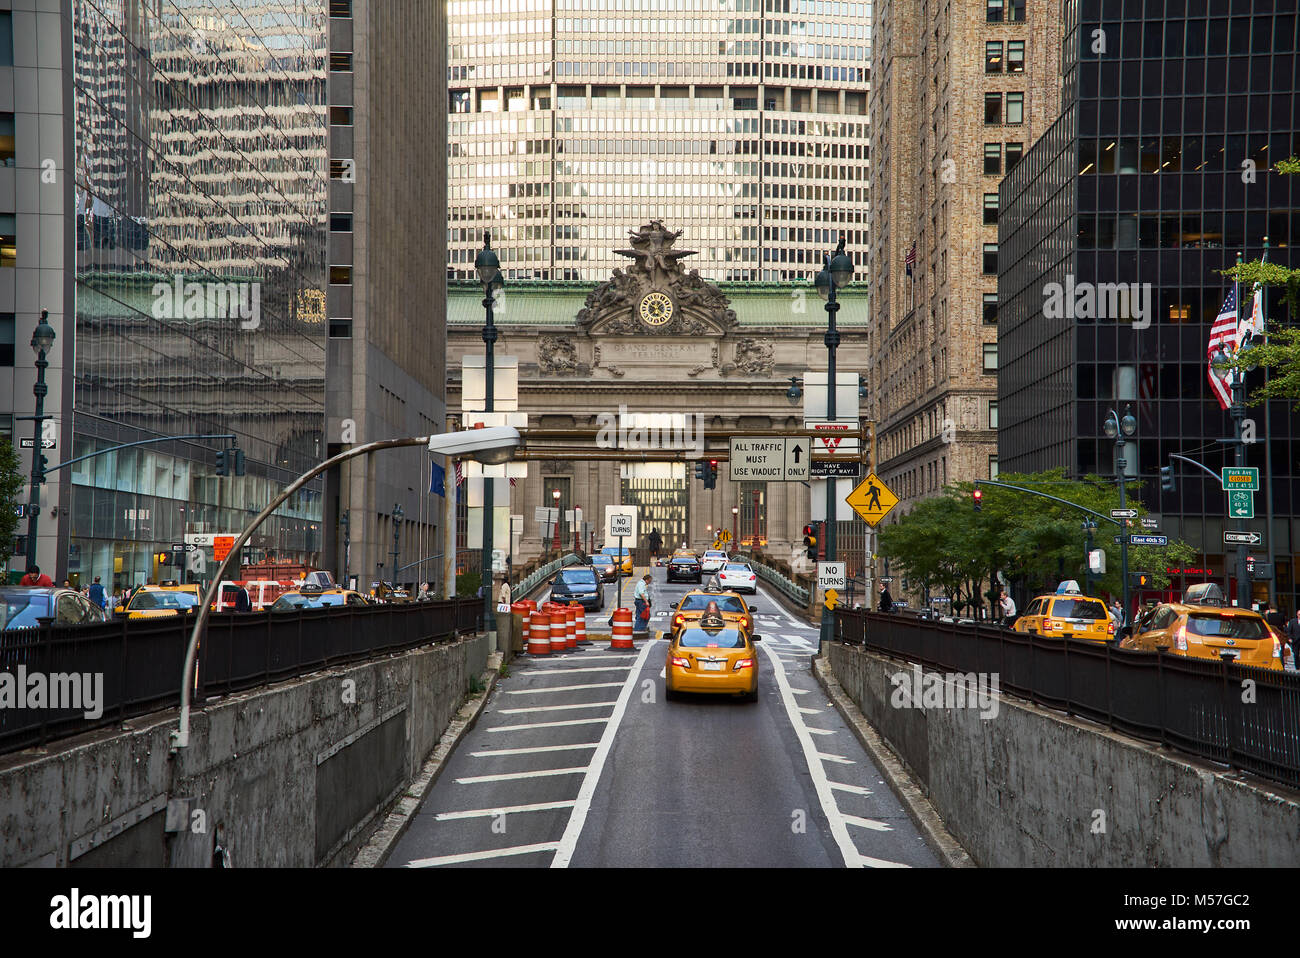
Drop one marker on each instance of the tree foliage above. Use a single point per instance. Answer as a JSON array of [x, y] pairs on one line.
[[943, 545], [11, 488]]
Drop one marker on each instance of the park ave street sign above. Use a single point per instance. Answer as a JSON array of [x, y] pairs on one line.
[[1240, 477]]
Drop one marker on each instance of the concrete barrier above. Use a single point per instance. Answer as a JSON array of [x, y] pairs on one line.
[[1028, 787], [289, 775]]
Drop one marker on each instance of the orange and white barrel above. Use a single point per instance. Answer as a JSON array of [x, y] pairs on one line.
[[539, 634], [559, 631], [580, 623], [570, 627], [622, 636]]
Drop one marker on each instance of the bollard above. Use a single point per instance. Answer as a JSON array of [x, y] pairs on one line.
[[622, 636], [539, 634]]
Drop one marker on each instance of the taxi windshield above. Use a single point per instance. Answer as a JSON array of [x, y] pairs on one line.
[[1078, 609], [700, 601], [613, 551], [712, 638], [150, 599]]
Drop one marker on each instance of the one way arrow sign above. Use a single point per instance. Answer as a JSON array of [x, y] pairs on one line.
[[1242, 538], [1123, 513]]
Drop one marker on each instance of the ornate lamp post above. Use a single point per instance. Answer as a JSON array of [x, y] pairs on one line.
[[397, 531], [555, 497], [42, 341], [735, 527], [489, 274], [1121, 430]]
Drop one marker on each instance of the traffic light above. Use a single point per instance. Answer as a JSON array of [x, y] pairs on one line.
[[239, 461], [222, 464], [700, 471], [711, 475], [1140, 580], [977, 496], [1167, 478], [810, 540]]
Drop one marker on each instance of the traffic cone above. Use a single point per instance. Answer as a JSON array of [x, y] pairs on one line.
[[622, 636], [539, 634], [580, 622]]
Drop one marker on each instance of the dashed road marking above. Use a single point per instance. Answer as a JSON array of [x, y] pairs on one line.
[[853, 789], [554, 708], [516, 728], [507, 810], [598, 668], [827, 757], [870, 823], [820, 731], [565, 688], [535, 750], [479, 856], [510, 776]]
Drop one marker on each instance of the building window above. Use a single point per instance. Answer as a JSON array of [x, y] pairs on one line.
[[340, 8], [993, 56], [1015, 108], [993, 11], [6, 38], [1015, 56], [990, 258], [8, 145], [458, 101], [992, 159], [6, 340], [345, 170], [340, 116], [340, 275], [1016, 11], [8, 241], [990, 309], [340, 328], [341, 62], [340, 222], [990, 209], [992, 108], [990, 357], [993, 467], [1014, 150], [993, 415]]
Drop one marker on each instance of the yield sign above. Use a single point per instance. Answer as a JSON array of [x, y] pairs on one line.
[[872, 499]]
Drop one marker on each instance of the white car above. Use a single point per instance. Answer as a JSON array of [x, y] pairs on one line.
[[738, 577], [713, 560]]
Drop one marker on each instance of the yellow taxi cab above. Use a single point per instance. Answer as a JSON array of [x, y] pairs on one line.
[[1201, 626], [720, 659], [171, 585], [1069, 614], [161, 601], [696, 602], [314, 597], [610, 563]]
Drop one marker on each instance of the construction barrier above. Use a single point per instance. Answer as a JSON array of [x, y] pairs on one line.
[[520, 635], [559, 631], [539, 633], [622, 637], [580, 621], [570, 627]]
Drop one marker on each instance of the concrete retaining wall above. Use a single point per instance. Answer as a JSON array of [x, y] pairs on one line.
[[289, 775], [1032, 788]]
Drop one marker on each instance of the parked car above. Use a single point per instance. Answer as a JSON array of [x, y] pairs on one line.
[[24, 606]]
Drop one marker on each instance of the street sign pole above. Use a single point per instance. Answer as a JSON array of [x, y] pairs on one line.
[[1238, 413]]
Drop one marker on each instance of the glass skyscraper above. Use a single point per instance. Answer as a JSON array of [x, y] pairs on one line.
[[741, 122], [1157, 173], [200, 220]]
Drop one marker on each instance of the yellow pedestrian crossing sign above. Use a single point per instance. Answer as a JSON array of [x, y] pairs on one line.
[[872, 499]]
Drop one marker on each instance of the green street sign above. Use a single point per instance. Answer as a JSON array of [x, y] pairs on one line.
[[1245, 478], [1241, 504]]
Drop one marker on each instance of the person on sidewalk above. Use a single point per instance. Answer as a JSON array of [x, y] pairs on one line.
[[36, 577], [642, 600], [96, 593], [886, 600]]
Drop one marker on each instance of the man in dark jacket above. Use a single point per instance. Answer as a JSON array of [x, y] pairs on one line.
[[886, 600], [1292, 632], [242, 602]]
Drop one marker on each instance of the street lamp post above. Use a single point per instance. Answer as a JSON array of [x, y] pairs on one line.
[[1088, 528], [397, 531], [577, 546], [345, 521], [1237, 380], [735, 527], [488, 268], [555, 497], [42, 341], [837, 273], [1121, 430]]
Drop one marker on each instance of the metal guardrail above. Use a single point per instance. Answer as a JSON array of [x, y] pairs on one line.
[[541, 575], [137, 663], [796, 593], [1195, 705]]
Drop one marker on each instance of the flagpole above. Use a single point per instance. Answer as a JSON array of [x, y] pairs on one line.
[[1238, 413], [1268, 454]]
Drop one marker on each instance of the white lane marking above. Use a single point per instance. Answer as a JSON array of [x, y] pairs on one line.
[[826, 757], [663, 673], [511, 776], [798, 640], [853, 789], [598, 668], [566, 688], [516, 728], [870, 823], [572, 831], [839, 829], [589, 658], [507, 810], [800, 691], [535, 750], [791, 619], [821, 731], [479, 856], [807, 711], [553, 708]]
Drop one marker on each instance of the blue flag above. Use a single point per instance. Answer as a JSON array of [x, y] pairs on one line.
[[438, 480]]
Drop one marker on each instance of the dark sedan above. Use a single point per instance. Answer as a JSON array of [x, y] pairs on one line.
[[578, 584], [683, 567]]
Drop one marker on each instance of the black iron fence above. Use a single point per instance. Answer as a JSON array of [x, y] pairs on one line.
[[1241, 716], [58, 681]]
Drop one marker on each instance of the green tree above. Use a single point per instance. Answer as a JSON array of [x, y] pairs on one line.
[[1281, 356], [11, 487]]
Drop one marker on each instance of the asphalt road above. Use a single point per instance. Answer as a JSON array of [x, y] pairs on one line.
[[579, 760]]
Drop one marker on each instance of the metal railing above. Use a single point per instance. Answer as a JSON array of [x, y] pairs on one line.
[[541, 575], [796, 593], [1196, 705], [136, 663]]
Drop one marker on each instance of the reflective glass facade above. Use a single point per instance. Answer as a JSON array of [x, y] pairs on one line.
[[200, 192], [742, 122], [1156, 174]]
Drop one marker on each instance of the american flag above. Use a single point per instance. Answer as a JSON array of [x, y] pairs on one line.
[[911, 258], [1223, 335]]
